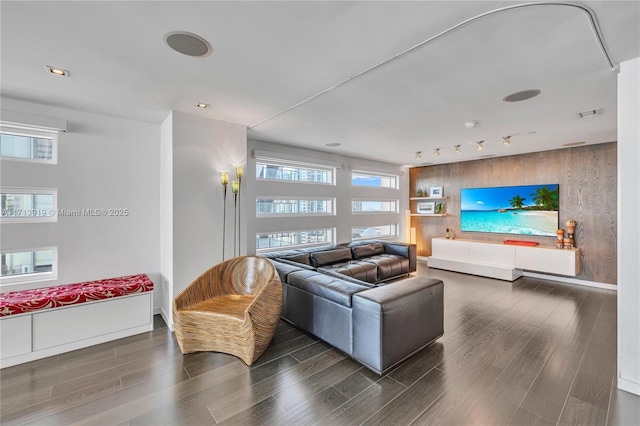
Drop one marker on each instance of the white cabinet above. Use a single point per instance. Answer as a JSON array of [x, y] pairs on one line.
[[30, 336], [501, 261]]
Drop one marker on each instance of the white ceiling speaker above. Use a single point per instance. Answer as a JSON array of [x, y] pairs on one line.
[[188, 44], [522, 95]]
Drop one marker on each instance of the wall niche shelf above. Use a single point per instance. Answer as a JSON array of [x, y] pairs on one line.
[[417, 211]]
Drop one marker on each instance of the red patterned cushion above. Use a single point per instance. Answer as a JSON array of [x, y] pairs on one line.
[[18, 302]]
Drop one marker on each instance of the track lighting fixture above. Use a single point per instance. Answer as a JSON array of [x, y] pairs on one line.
[[506, 140], [418, 155], [436, 152], [480, 147], [456, 149]]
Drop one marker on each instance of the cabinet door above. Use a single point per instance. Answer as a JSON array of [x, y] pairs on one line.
[[553, 261]]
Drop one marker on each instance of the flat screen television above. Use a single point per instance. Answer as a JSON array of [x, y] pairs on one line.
[[521, 210]]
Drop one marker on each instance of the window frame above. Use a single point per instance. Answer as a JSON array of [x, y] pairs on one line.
[[300, 165], [396, 227], [330, 200], [391, 212], [35, 276], [331, 233], [31, 191], [395, 177], [31, 132]]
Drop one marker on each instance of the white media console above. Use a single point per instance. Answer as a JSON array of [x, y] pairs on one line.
[[501, 261]]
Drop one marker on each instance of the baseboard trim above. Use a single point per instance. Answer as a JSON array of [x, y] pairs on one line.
[[165, 317], [629, 386], [571, 281]]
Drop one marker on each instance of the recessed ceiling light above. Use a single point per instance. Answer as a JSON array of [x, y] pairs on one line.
[[456, 148], [418, 155], [480, 147], [522, 95], [436, 152], [574, 143], [470, 124], [333, 144], [202, 105], [506, 140], [57, 71], [188, 44]]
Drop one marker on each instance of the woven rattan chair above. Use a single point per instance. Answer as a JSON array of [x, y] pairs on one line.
[[234, 307]]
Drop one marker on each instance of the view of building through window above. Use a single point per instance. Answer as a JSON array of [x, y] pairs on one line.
[[301, 206], [26, 147], [293, 238], [23, 205], [371, 206], [293, 173], [28, 262]]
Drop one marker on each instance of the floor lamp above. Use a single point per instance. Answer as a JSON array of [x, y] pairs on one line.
[[224, 180], [239, 174], [235, 188]]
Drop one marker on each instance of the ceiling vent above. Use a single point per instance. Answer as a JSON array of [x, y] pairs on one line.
[[590, 113]]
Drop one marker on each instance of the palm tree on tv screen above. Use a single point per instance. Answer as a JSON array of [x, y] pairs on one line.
[[517, 202], [546, 199]]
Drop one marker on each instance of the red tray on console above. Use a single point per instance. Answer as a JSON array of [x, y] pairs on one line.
[[520, 243]]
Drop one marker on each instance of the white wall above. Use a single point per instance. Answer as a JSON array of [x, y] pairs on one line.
[[202, 148], [165, 287], [343, 192], [628, 228], [103, 162]]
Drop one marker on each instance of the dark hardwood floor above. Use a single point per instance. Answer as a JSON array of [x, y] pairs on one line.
[[528, 352]]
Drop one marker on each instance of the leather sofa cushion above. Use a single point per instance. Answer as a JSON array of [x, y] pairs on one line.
[[367, 250], [299, 258], [389, 265], [284, 269], [321, 258], [325, 286], [360, 270]]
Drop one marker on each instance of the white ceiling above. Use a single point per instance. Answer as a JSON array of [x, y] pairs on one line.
[[269, 56]]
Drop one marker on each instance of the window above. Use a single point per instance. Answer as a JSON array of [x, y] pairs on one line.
[[272, 240], [366, 232], [294, 207], [294, 172], [29, 265], [374, 206], [374, 180], [28, 145], [28, 205]]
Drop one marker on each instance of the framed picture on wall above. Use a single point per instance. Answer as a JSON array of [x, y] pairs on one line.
[[427, 207], [436, 191]]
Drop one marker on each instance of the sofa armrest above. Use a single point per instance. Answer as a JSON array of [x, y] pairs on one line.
[[408, 250], [392, 322]]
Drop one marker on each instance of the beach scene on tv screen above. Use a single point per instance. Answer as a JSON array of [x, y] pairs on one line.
[[521, 210]]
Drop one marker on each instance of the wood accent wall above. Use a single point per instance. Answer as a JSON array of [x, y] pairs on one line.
[[588, 194]]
